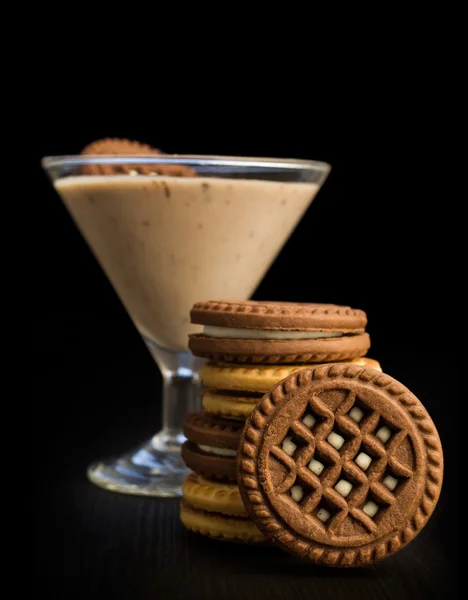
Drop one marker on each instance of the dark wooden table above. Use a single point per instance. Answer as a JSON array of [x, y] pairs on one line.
[[96, 543], [90, 543]]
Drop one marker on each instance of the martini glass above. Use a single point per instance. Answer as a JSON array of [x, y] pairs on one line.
[[166, 242]]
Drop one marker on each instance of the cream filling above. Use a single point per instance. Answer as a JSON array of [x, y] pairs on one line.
[[266, 334], [218, 451]]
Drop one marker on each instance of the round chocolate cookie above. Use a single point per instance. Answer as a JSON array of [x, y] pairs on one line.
[[211, 445], [123, 147], [340, 464], [278, 332]]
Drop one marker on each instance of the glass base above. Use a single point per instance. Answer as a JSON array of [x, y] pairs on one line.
[[154, 469]]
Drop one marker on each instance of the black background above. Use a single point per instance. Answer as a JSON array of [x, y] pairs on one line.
[[383, 235]]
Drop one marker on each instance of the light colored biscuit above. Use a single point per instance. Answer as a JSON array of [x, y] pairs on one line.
[[250, 378], [233, 407], [219, 526], [213, 496], [363, 361], [258, 378]]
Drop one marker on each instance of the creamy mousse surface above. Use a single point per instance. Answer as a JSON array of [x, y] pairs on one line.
[[167, 242]]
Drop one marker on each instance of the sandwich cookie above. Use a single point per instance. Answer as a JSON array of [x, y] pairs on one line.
[[213, 496], [278, 332], [219, 526], [215, 509], [232, 390], [211, 445], [340, 465]]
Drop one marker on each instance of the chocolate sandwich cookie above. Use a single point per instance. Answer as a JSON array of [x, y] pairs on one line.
[[278, 332], [117, 147], [340, 465], [219, 526], [211, 445], [232, 390]]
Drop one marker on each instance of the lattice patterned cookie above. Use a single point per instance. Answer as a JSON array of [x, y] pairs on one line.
[[340, 465]]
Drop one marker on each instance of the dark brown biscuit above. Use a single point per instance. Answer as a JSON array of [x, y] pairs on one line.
[[207, 464], [319, 350], [212, 445], [279, 315], [340, 464], [210, 430], [116, 147]]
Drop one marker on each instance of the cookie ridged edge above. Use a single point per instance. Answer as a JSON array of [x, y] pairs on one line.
[[268, 523], [278, 359], [279, 315], [201, 419], [269, 309], [256, 370]]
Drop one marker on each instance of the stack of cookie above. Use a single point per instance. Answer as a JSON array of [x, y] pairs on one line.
[[251, 346]]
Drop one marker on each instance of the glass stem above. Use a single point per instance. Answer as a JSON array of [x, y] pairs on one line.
[[181, 394]]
